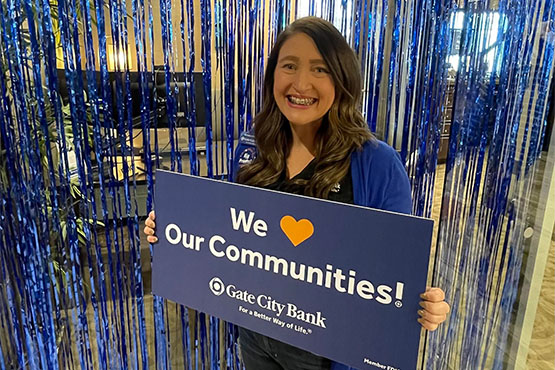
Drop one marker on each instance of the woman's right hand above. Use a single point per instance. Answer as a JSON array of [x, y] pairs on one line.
[[150, 228]]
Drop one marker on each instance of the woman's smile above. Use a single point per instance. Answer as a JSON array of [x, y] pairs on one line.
[[296, 101]]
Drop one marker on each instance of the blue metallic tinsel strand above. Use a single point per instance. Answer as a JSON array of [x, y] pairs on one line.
[[73, 78], [229, 96], [191, 99], [46, 306], [15, 289], [160, 317], [240, 24], [171, 112], [101, 323], [207, 80], [141, 45], [135, 288], [118, 27], [107, 191]]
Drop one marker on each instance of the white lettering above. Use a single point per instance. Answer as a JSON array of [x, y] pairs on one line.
[[384, 294], [365, 289], [399, 291], [169, 229], [277, 321], [374, 363], [240, 295], [277, 263], [260, 228], [339, 277], [251, 258], [331, 278], [315, 319], [197, 244], [232, 253], [189, 241], [213, 250], [237, 222], [314, 271]]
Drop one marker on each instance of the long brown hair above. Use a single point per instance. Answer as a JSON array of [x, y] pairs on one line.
[[343, 128]]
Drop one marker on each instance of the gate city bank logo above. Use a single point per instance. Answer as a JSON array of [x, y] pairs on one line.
[[216, 286], [266, 302]]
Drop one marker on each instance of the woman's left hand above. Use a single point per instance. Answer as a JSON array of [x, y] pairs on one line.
[[434, 308]]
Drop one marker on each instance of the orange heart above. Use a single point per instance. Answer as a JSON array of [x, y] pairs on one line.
[[296, 231]]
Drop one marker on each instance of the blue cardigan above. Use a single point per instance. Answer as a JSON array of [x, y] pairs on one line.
[[379, 179]]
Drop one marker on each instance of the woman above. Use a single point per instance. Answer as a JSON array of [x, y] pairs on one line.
[[310, 138]]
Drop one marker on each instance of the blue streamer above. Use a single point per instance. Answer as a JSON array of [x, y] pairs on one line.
[[207, 79]]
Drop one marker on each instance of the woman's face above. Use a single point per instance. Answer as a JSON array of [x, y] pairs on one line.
[[303, 87]]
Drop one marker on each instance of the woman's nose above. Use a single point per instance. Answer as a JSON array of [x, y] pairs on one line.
[[302, 81]]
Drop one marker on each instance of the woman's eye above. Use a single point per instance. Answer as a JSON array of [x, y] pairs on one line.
[[321, 70], [289, 66]]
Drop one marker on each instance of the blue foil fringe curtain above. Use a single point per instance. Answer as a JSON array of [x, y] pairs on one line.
[[97, 95]]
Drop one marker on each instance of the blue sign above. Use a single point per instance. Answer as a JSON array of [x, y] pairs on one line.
[[338, 280]]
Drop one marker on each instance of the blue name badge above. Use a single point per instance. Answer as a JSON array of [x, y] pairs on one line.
[[338, 280]]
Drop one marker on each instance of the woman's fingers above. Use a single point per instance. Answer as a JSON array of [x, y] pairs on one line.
[[433, 295], [427, 325], [435, 308], [150, 227], [148, 231], [430, 317], [150, 223]]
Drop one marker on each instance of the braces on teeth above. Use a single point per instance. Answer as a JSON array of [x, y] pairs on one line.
[[301, 101]]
